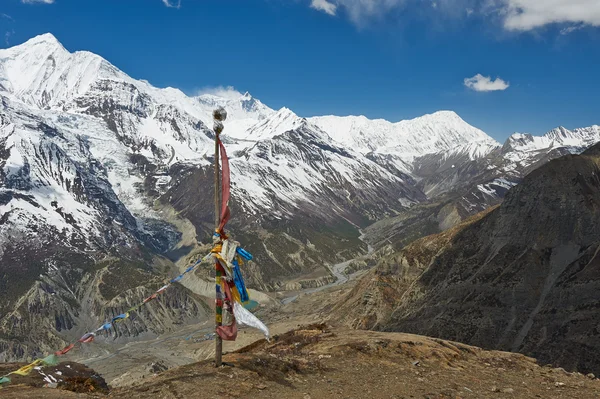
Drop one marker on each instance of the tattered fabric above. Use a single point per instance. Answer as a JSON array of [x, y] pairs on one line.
[[225, 188]]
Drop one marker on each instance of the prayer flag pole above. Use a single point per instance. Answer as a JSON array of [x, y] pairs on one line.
[[219, 115]]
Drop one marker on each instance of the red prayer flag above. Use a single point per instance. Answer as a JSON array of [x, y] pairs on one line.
[[151, 297], [225, 188], [228, 333], [87, 338], [65, 350]]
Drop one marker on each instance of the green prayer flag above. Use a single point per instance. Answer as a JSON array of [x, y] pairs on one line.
[[51, 360]]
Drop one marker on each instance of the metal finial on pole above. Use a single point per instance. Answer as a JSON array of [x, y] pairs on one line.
[[219, 116]]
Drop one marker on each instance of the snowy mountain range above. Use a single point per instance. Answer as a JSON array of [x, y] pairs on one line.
[[87, 100], [96, 165]]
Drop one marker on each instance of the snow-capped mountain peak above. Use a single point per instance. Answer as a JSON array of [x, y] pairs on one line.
[[42, 73], [578, 137], [408, 139], [280, 122], [237, 101], [243, 111], [555, 138], [47, 39]]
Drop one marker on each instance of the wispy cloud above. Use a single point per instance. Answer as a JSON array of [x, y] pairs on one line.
[[571, 29], [524, 15], [511, 15], [324, 5], [228, 92], [172, 4], [485, 83], [8, 33], [7, 36], [37, 1], [168, 3], [363, 11]]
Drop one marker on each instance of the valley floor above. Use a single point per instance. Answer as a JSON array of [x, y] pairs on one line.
[[126, 364]]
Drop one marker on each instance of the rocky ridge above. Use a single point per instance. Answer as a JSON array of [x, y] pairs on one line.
[[520, 277]]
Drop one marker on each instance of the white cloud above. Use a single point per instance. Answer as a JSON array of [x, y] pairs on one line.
[[37, 1], [361, 11], [485, 83], [513, 15], [7, 17], [228, 92], [571, 29], [172, 4], [324, 5], [524, 15]]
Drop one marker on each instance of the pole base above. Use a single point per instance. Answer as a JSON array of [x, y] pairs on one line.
[[225, 364]]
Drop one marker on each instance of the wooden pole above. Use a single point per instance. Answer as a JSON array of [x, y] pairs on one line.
[[218, 128]]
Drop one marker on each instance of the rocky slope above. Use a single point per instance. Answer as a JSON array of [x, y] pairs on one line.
[[522, 277], [71, 253]]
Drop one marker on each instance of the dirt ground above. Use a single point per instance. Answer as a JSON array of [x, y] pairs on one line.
[[318, 361]]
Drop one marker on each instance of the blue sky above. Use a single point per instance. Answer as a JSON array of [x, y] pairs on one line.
[[392, 59]]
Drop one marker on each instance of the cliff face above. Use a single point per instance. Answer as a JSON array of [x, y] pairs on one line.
[[523, 277]]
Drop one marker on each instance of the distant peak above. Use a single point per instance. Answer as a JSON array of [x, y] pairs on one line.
[[286, 112], [45, 38], [442, 115], [517, 141], [47, 41], [560, 129], [445, 113], [286, 115], [520, 136]]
